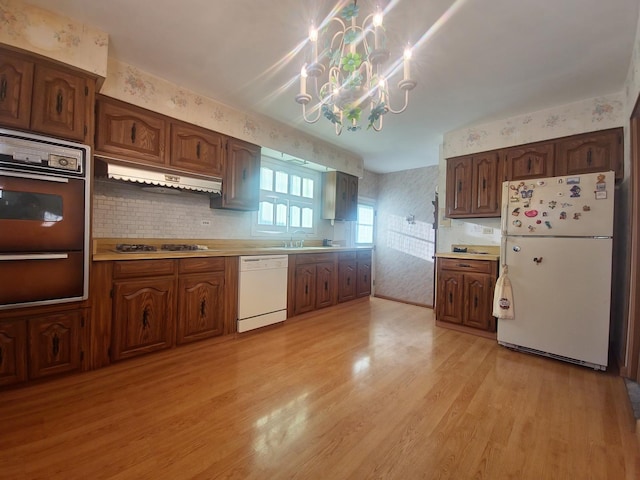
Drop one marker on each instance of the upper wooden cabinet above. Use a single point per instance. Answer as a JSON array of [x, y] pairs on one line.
[[591, 152], [46, 98], [197, 149], [240, 178], [340, 196], [130, 133], [473, 186], [529, 161]]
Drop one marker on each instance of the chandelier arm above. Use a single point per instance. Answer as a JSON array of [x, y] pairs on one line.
[[312, 120], [404, 107]]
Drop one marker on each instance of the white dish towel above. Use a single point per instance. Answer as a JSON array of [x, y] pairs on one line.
[[503, 297]]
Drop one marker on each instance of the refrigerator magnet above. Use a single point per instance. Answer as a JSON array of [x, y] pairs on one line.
[[573, 180], [601, 195], [516, 212], [575, 191], [586, 208], [552, 204], [577, 215], [541, 183], [563, 215], [517, 223], [547, 224]]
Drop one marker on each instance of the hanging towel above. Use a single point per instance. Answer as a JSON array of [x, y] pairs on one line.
[[503, 297]]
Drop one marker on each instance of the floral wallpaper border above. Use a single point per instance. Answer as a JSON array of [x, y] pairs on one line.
[[51, 35]]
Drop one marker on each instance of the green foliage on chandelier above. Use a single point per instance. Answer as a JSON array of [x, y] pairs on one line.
[[375, 113], [327, 111], [350, 11], [353, 113], [351, 62]]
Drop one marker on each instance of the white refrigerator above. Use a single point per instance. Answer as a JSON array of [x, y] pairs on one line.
[[557, 245]]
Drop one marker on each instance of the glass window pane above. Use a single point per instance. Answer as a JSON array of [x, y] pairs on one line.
[[282, 181], [365, 215], [294, 216], [307, 188], [281, 215], [364, 234], [265, 213], [296, 185], [307, 217], [266, 179]]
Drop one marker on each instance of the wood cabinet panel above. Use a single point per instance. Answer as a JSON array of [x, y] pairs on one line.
[[465, 292], [325, 284], [143, 268], [13, 352], [144, 312], [197, 150], [59, 103], [16, 81], [363, 281], [529, 161], [590, 153], [200, 306], [347, 279], [130, 133], [54, 343], [305, 288], [486, 188], [340, 196], [241, 177], [459, 185]]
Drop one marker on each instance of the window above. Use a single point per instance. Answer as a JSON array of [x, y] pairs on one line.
[[289, 198], [364, 224]]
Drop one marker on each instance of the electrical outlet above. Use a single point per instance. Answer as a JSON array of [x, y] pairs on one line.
[[205, 223], [487, 230]]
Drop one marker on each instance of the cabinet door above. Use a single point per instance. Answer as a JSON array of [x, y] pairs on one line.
[[143, 316], [529, 161], [13, 352], [59, 103], [590, 153], [325, 285], [347, 278], [459, 186], [54, 343], [486, 185], [478, 295], [450, 296], [363, 282], [200, 306], [241, 180], [305, 288], [16, 80], [130, 133], [197, 150]]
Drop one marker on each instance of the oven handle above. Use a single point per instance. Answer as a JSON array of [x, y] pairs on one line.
[[34, 256], [32, 176]]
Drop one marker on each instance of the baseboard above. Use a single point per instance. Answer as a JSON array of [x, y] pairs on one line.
[[417, 304]]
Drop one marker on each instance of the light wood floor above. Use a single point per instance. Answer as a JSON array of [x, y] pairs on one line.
[[371, 390]]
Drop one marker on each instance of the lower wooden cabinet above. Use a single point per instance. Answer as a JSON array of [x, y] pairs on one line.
[[347, 276], [363, 269], [465, 292], [314, 281], [41, 345]]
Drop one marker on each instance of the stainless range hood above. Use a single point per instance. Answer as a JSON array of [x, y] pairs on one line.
[[116, 171]]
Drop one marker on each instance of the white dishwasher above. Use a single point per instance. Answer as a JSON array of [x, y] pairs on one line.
[[262, 291]]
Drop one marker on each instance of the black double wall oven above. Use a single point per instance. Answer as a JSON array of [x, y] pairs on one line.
[[44, 220]]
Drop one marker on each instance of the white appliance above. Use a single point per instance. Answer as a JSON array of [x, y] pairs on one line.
[[557, 245], [262, 291]]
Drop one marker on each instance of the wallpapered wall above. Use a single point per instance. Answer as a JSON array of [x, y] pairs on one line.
[[403, 265]]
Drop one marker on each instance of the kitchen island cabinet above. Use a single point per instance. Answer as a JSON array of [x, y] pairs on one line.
[[464, 295]]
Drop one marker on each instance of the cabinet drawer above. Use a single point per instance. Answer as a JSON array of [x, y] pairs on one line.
[[143, 268], [363, 255], [201, 265], [347, 256], [306, 258], [464, 265]]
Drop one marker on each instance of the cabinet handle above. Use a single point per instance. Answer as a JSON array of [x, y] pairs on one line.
[[306, 289], [459, 186], [484, 183], [133, 133], [475, 302], [244, 174], [365, 278], [145, 318], [3, 88], [55, 345], [589, 157], [529, 165], [59, 99], [198, 150], [1, 352], [326, 285], [463, 265], [203, 308], [450, 297], [348, 280]]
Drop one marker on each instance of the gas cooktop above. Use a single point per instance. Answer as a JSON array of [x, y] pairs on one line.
[[171, 247]]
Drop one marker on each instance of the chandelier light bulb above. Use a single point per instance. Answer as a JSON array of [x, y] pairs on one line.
[[313, 34], [377, 19]]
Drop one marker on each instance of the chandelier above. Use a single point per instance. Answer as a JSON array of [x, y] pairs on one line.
[[355, 86]]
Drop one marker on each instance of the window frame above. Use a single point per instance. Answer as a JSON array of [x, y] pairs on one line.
[[369, 203]]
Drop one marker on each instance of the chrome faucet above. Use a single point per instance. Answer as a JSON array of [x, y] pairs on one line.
[[298, 243]]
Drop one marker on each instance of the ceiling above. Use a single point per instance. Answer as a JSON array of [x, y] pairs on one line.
[[474, 60]]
